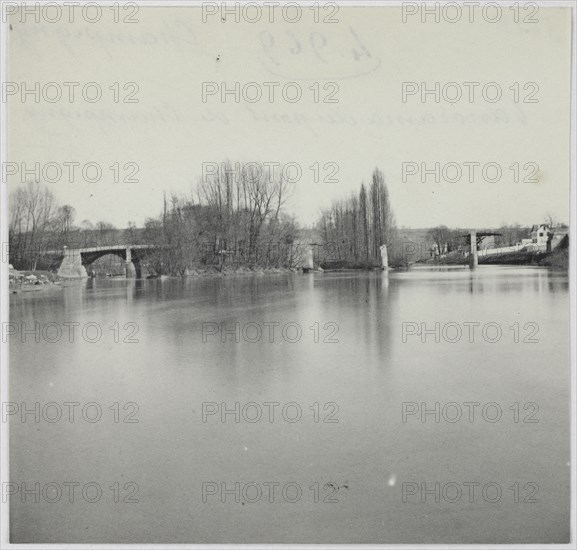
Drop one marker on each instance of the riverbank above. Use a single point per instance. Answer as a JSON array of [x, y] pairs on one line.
[[33, 281], [343, 265], [558, 258], [213, 271]]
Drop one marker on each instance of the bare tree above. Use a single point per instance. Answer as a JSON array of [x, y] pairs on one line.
[[354, 229], [441, 237], [32, 215], [364, 218]]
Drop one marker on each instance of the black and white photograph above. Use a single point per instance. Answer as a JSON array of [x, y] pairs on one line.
[[288, 274]]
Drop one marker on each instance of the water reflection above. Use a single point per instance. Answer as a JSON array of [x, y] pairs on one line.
[[366, 367]]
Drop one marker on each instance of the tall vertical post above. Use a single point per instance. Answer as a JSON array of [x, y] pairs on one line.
[[473, 256], [309, 260], [384, 257], [129, 270]]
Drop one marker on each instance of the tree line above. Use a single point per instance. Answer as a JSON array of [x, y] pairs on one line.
[[38, 223], [354, 229], [235, 216]]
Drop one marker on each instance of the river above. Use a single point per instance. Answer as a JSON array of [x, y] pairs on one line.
[[329, 420]]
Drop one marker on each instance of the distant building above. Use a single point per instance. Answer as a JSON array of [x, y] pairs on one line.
[[545, 237], [540, 234]]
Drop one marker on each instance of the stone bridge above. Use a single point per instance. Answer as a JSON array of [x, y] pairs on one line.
[[75, 260]]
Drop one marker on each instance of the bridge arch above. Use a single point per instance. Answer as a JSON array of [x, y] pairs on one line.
[[132, 265], [75, 261]]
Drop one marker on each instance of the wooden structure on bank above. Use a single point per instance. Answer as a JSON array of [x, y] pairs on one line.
[[474, 238]]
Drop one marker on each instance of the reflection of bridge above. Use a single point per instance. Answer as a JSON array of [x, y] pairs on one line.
[[75, 260]]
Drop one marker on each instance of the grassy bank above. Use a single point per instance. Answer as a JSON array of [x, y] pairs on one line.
[[558, 258]]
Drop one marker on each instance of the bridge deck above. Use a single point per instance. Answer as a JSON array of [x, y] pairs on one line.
[[103, 248]]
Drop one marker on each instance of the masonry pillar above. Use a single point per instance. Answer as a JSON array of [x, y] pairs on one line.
[[309, 261], [473, 256], [129, 269], [71, 266], [384, 257]]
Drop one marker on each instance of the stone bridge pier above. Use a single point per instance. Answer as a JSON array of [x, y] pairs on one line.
[[71, 266], [474, 255], [132, 266], [474, 239]]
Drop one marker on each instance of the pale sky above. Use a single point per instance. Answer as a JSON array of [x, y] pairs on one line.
[[170, 132]]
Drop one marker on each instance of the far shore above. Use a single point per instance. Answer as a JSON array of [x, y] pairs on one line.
[[52, 281]]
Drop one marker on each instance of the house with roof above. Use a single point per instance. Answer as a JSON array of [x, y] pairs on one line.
[[545, 237], [540, 234]]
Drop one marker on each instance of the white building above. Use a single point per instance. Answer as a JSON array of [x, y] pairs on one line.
[[540, 234]]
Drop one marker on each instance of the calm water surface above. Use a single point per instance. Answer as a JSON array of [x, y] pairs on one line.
[[169, 372]]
